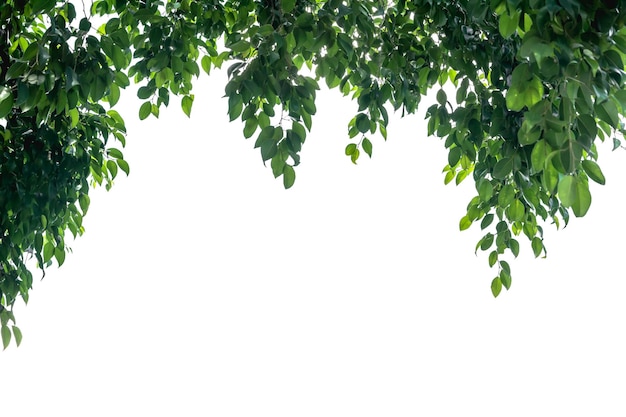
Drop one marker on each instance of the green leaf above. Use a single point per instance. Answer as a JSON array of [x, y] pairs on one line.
[[506, 196], [240, 46], [486, 241], [235, 106], [514, 247], [48, 251], [538, 156], [145, 92], [505, 278], [593, 170], [485, 190], [442, 98], [145, 110], [607, 112], [367, 146], [550, 177], [289, 176], [465, 223], [84, 201], [6, 101], [362, 123], [493, 258], [288, 5], [503, 168], [354, 156], [205, 63], [454, 156], [112, 167], [6, 336], [250, 127], [277, 164], [526, 89], [574, 193], [59, 254], [115, 153], [496, 286], [123, 166], [516, 211], [507, 24], [487, 220], [18, 335], [186, 104], [350, 148], [537, 246]]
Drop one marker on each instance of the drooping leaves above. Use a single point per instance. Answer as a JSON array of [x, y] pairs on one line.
[[537, 85]]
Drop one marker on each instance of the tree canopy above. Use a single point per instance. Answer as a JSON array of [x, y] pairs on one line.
[[537, 84]]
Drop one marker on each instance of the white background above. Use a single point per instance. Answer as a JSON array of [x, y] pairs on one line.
[[202, 288]]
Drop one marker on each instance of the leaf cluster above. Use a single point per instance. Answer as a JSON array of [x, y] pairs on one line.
[[536, 84]]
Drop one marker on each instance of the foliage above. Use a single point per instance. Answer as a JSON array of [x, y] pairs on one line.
[[537, 83]]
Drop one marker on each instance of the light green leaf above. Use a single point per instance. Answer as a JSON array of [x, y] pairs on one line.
[[59, 254], [288, 5], [186, 104], [593, 170], [465, 223], [6, 101], [48, 251], [538, 156], [526, 89], [574, 193], [516, 211], [145, 110], [6, 336], [18, 335], [354, 156], [496, 286]]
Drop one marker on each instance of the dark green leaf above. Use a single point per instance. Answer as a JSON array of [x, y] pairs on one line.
[[487, 220], [503, 168], [362, 123], [505, 278]]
